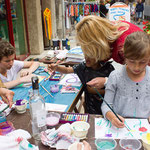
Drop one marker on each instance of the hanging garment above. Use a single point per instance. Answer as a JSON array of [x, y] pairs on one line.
[[72, 10], [95, 8], [92, 8], [81, 9], [86, 10], [76, 10]]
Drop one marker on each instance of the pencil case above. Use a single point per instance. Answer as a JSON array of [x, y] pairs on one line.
[[71, 117]]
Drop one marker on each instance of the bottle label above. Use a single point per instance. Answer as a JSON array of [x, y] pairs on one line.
[[41, 118]]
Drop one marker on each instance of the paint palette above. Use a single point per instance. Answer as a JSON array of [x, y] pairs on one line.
[[71, 117], [56, 76]]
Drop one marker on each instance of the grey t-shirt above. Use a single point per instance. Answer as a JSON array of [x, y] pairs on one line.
[[128, 98]]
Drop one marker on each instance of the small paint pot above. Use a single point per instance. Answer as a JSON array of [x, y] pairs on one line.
[[80, 129], [20, 106], [105, 144], [74, 146], [54, 88], [146, 141], [127, 144], [52, 119]]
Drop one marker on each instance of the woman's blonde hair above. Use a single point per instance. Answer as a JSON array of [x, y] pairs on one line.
[[95, 35], [137, 46]]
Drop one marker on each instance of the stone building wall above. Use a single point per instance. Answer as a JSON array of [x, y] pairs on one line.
[[34, 9], [34, 26]]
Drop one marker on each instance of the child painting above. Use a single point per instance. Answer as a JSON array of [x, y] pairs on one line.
[[92, 67], [127, 89]]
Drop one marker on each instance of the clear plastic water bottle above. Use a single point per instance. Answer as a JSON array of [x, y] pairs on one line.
[[37, 110]]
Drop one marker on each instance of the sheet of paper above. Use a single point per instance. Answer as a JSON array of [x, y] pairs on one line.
[[71, 79], [104, 129], [55, 107]]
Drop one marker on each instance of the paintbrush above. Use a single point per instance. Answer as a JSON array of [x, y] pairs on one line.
[[46, 90], [111, 108]]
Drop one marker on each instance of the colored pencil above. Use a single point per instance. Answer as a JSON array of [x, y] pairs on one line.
[[46, 90]]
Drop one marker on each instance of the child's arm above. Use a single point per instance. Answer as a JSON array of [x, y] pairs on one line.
[[97, 82], [61, 69], [25, 79], [31, 65], [114, 120], [92, 91]]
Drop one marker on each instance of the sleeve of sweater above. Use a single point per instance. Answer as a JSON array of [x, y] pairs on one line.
[[110, 91]]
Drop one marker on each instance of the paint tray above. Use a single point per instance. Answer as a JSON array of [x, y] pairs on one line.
[[56, 76], [71, 117]]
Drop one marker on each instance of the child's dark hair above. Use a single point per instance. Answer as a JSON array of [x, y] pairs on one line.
[[6, 49], [137, 45]]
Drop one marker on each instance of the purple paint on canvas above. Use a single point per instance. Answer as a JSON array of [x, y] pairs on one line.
[[108, 135]]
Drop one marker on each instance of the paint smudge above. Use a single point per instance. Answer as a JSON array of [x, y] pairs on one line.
[[142, 129], [108, 135]]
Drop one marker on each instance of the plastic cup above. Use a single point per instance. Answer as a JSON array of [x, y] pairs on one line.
[[52, 119], [74, 146], [80, 129], [105, 144], [130, 144], [146, 141], [20, 106]]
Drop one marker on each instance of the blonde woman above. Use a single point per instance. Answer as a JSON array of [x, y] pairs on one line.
[[103, 39]]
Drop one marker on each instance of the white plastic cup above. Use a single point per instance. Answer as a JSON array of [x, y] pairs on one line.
[[74, 146], [105, 144], [146, 143], [127, 144]]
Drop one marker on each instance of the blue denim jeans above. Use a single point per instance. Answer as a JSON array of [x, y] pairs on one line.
[[139, 15]]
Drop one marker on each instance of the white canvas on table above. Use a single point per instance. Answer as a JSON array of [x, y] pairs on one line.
[[104, 129]]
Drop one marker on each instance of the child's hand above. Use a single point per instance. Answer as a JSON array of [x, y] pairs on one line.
[[97, 82], [27, 78], [52, 67], [7, 96], [86, 146], [24, 73], [117, 123], [114, 120]]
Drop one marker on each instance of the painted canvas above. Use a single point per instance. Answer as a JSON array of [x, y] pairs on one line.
[[104, 129]]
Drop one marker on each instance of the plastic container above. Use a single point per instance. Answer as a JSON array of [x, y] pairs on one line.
[[146, 141], [52, 119], [20, 106], [127, 144], [74, 146], [6, 127], [80, 129], [105, 144]]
